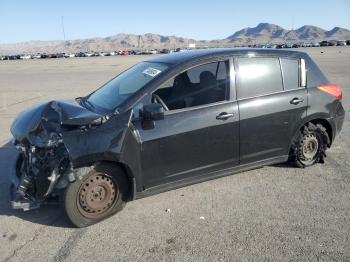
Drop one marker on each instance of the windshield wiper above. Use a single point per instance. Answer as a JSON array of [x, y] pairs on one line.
[[85, 102]]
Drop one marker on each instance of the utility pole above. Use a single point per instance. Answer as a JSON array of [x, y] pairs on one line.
[[64, 33]]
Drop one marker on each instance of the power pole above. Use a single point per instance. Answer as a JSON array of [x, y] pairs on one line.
[[64, 33]]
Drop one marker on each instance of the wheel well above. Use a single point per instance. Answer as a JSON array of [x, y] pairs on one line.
[[128, 175], [327, 125]]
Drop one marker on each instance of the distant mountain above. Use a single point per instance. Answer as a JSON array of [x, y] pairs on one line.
[[310, 32], [270, 33], [263, 33]]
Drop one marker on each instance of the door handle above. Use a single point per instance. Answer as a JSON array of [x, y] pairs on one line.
[[224, 116], [296, 100]]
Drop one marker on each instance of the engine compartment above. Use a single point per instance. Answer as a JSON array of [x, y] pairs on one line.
[[39, 168]]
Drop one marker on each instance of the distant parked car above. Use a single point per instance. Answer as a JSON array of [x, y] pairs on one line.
[[89, 54], [124, 53], [347, 42], [69, 55], [80, 54], [341, 42], [11, 57], [315, 44], [332, 43], [52, 56], [324, 43], [179, 50], [37, 56], [24, 57], [164, 51]]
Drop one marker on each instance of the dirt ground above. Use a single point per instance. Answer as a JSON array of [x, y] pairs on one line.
[[275, 213]]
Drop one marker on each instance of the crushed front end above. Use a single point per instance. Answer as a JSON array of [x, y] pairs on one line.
[[43, 158], [37, 172]]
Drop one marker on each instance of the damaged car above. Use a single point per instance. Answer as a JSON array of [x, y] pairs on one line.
[[173, 121]]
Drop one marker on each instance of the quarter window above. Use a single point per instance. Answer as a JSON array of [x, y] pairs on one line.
[[290, 69], [258, 76]]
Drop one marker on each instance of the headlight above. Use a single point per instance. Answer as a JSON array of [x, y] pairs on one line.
[[99, 121]]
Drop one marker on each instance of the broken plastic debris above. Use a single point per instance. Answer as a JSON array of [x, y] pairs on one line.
[[202, 217], [168, 210]]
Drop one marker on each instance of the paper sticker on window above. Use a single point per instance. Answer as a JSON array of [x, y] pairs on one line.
[[151, 71]]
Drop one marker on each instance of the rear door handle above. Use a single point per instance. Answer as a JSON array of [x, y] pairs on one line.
[[224, 116], [296, 100]]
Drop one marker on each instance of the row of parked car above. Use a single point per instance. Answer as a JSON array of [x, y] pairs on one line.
[[305, 44], [167, 51], [85, 54]]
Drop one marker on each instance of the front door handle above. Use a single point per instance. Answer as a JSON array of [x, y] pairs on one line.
[[296, 100], [224, 116]]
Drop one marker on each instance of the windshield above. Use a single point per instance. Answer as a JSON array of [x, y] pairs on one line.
[[113, 93]]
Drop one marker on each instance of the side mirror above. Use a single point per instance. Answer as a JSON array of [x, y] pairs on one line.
[[149, 114], [152, 112]]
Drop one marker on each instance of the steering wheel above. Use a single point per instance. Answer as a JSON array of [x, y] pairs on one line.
[[160, 101]]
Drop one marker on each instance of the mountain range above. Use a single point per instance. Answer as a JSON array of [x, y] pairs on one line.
[[263, 33]]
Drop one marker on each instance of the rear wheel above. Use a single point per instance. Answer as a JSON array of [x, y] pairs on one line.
[[309, 145], [99, 194]]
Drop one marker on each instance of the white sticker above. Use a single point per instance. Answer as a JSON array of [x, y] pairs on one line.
[[151, 72]]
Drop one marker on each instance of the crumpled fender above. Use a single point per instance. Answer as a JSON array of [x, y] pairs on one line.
[[102, 142]]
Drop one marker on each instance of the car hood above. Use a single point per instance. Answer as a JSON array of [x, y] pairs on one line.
[[38, 124]]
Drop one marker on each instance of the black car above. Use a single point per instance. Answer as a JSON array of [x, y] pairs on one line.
[[172, 121], [325, 43]]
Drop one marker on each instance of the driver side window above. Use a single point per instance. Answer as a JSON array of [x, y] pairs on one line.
[[200, 85]]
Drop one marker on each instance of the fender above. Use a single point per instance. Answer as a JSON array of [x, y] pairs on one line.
[[316, 116]]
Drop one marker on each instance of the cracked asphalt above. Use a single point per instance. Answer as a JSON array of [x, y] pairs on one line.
[[272, 213]]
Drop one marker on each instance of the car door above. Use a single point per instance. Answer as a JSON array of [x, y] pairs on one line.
[[192, 139], [271, 104]]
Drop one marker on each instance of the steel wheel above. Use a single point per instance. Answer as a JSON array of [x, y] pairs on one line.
[[309, 147], [97, 196]]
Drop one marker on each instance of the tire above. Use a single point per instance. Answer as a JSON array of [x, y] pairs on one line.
[[309, 145], [100, 193]]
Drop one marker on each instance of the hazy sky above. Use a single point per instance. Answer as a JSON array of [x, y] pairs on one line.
[[23, 20]]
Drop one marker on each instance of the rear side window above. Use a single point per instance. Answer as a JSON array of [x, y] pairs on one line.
[[258, 76], [290, 69]]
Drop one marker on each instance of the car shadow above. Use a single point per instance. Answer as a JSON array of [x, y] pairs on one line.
[[50, 215], [284, 165]]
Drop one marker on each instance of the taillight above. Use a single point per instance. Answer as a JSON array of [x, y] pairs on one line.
[[333, 90]]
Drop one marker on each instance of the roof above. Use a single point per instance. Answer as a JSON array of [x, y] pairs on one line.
[[186, 56]]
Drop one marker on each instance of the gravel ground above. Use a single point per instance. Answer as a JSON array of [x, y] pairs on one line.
[[272, 213]]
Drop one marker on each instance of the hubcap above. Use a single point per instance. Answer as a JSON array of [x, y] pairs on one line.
[[310, 147], [96, 196]]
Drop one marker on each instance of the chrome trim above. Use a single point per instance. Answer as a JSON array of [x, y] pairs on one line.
[[170, 112], [303, 73]]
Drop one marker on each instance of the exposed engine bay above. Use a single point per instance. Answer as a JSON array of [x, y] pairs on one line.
[[38, 170]]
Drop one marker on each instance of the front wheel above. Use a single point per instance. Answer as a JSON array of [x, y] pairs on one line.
[[99, 194], [309, 145]]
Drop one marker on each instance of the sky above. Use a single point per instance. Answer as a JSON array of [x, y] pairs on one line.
[[26, 20]]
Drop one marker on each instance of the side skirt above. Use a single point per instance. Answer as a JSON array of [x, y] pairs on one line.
[[208, 176]]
